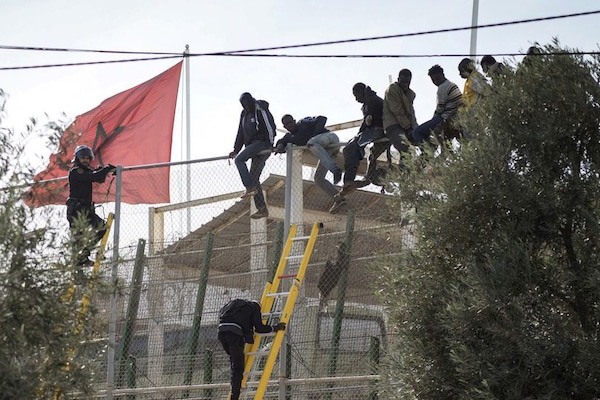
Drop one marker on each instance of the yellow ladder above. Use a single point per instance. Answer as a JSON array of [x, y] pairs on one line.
[[87, 296], [276, 307]]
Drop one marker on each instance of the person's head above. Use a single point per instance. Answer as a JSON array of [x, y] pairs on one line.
[[486, 62], [404, 78], [359, 90], [289, 123], [247, 101], [531, 55], [83, 155], [256, 303], [436, 73], [465, 67], [533, 50]]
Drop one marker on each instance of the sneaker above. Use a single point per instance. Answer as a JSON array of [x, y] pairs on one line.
[[348, 188], [337, 204], [363, 183], [250, 191], [261, 213], [337, 177], [85, 262], [322, 303]]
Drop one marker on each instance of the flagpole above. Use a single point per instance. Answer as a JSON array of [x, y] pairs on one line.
[[188, 155]]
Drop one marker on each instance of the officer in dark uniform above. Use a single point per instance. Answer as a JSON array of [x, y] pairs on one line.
[[80, 204]]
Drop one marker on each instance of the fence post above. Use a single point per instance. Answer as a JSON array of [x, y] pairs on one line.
[[374, 351], [208, 372], [202, 283], [132, 310], [341, 298]]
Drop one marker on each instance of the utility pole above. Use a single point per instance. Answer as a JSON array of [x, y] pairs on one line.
[[474, 21]]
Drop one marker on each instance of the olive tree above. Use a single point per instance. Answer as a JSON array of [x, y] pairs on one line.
[[44, 338], [500, 296]]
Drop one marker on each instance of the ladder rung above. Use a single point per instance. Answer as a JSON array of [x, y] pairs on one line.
[[295, 257], [287, 276], [259, 352], [278, 294], [297, 238], [271, 314], [266, 334], [254, 372]]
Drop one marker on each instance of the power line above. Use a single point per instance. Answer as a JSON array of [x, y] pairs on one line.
[[430, 32], [342, 41], [456, 55], [244, 53], [90, 63], [30, 48]]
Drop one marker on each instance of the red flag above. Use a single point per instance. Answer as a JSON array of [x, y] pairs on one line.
[[134, 127]]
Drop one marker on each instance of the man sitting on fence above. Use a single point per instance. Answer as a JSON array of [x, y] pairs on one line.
[[256, 133], [311, 131], [370, 130], [399, 120]]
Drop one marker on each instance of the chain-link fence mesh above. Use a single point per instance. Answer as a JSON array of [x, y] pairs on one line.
[[161, 321]]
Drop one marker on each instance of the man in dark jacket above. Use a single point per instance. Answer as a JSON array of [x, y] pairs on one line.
[[311, 132], [80, 206], [370, 130], [238, 329], [256, 133]]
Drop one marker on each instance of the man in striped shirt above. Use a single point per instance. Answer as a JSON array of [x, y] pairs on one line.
[[449, 99]]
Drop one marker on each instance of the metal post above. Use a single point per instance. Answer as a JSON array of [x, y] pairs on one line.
[[208, 372], [474, 20], [202, 284], [131, 371], [286, 230], [132, 310], [338, 316], [188, 155], [289, 162], [288, 370], [112, 324], [374, 351]]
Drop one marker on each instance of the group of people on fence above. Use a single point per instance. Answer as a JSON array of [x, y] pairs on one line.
[[387, 122]]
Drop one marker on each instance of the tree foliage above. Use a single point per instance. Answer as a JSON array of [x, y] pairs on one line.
[[43, 349], [499, 299]]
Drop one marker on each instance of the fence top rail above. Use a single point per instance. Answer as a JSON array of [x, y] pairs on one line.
[[334, 127]]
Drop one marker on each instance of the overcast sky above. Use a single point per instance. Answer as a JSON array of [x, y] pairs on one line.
[[301, 87]]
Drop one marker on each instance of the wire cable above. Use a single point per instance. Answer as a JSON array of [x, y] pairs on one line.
[[91, 63], [342, 41], [430, 32], [457, 55], [244, 53], [30, 48]]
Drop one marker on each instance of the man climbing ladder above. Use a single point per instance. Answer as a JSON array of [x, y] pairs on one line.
[[277, 307]]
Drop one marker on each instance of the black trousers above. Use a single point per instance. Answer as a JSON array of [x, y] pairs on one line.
[[76, 211], [234, 347], [398, 137], [353, 153]]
